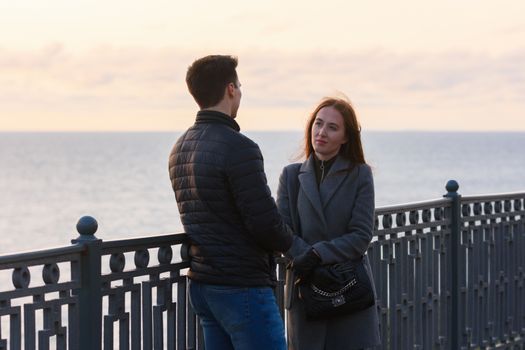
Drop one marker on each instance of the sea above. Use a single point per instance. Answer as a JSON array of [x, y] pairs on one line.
[[49, 180]]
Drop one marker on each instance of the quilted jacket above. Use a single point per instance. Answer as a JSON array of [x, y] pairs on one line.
[[225, 205]]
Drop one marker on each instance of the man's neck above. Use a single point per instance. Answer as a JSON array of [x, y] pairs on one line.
[[220, 108]]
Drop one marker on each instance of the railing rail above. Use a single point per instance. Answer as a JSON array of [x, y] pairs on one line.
[[449, 274], [36, 257]]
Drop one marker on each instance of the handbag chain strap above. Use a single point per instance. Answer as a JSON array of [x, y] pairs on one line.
[[349, 285]]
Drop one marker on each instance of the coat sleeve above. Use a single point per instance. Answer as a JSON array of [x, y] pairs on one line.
[[253, 200], [359, 231], [284, 203]]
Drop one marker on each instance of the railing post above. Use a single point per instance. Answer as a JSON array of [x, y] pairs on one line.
[[455, 242], [89, 294]]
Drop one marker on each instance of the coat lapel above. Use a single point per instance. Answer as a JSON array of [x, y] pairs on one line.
[[335, 177], [308, 184]]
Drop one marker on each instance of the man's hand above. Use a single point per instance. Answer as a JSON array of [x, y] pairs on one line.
[[305, 263]]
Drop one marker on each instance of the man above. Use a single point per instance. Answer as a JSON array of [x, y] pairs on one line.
[[229, 215]]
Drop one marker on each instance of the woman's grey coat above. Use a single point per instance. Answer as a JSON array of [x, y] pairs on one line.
[[337, 219]]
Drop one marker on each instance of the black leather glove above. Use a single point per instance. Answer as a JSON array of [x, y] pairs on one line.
[[304, 264]]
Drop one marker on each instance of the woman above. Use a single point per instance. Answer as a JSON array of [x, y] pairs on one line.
[[329, 201]]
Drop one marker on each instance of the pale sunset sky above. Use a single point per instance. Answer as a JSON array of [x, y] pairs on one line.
[[69, 65]]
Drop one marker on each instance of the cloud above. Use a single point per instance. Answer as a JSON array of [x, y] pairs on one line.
[[105, 75], [381, 82], [386, 79]]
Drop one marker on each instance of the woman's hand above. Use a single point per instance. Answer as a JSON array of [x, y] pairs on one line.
[[305, 263]]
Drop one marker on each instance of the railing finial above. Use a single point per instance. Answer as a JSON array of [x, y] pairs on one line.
[[452, 187], [87, 226]]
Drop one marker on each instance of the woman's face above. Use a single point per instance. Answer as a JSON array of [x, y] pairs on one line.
[[328, 133]]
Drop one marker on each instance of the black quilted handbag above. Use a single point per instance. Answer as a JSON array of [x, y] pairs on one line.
[[335, 290]]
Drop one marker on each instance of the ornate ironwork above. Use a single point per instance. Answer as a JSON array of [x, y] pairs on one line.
[[449, 274], [34, 307]]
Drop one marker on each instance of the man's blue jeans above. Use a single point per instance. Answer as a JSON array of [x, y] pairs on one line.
[[240, 318]]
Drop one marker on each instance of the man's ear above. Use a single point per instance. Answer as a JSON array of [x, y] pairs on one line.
[[230, 88]]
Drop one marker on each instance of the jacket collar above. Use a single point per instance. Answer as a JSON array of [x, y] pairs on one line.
[[321, 196], [215, 117], [338, 172], [308, 183]]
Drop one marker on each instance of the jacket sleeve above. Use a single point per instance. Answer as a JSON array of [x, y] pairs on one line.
[[284, 203], [253, 199], [359, 231]]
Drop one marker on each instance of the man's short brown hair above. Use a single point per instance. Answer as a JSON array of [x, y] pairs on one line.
[[207, 78]]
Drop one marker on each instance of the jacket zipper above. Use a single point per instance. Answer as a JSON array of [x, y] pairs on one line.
[[322, 170]]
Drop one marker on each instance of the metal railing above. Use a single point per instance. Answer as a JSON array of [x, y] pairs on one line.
[[449, 274], [146, 302]]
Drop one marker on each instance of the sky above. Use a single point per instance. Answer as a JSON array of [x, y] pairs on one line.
[[69, 65]]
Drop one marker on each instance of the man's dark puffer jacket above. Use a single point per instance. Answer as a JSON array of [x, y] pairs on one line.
[[225, 204]]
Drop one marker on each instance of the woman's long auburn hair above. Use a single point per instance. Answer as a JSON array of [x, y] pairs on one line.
[[353, 149]]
